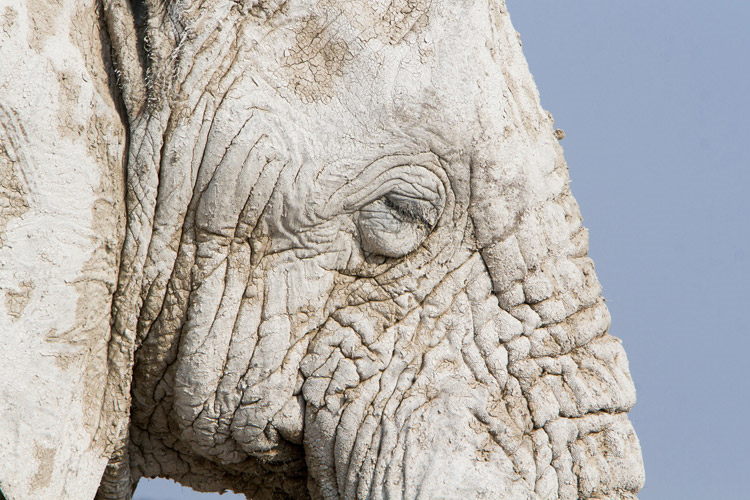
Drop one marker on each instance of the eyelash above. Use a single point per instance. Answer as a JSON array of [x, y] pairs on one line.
[[409, 211]]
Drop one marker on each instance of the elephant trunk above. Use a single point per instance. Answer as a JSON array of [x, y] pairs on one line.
[[572, 375]]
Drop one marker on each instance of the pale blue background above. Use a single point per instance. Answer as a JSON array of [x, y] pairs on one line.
[[653, 95]]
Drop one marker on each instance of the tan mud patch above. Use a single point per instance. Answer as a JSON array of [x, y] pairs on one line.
[[337, 32], [262, 9], [45, 465], [8, 20], [67, 122], [87, 33], [43, 15], [316, 60], [93, 316], [403, 18], [17, 300], [14, 192]]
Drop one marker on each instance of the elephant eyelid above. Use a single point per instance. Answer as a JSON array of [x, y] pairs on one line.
[[418, 210]]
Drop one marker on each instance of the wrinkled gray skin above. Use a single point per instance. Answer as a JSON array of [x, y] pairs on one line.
[[353, 267]]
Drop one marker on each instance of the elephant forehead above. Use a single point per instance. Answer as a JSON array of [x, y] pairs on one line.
[[337, 74], [383, 68]]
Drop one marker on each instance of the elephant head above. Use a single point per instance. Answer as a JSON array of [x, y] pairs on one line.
[[353, 266]]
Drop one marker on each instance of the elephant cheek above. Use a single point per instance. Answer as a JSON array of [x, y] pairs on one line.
[[237, 386]]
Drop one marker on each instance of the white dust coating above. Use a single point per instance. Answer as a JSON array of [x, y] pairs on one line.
[[353, 266], [61, 219]]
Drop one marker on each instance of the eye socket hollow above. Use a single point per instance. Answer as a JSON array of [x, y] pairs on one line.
[[395, 224]]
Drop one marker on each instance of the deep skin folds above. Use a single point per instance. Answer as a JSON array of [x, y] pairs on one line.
[[355, 268]]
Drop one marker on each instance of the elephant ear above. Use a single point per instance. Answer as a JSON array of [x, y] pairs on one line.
[[62, 144]]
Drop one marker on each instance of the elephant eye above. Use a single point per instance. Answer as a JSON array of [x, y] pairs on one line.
[[395, 224], [418, 211]]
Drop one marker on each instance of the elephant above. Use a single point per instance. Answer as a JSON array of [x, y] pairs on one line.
[[296, 249]]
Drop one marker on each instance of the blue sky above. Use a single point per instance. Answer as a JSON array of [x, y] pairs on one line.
[[655, 100]]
